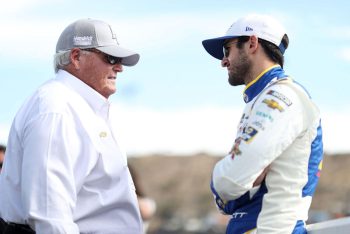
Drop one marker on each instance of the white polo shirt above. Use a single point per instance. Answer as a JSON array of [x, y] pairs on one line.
[[64, 171]]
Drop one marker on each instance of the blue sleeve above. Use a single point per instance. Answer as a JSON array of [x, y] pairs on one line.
[[229, 207]]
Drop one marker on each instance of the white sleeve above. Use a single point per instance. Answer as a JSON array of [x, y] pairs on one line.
[[48, 181], [272, 124]]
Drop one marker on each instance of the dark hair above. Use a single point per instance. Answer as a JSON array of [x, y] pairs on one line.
[[241, 41], [2, 148], [271, 50]]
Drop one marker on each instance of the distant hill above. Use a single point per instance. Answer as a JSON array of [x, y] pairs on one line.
[[180, 186]]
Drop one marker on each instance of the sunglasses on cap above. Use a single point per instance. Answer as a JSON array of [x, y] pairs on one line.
[[106, 57]]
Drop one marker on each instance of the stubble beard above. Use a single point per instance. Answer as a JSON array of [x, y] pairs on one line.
[[240, 70]]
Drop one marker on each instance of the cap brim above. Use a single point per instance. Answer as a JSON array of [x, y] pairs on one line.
[[214, 46], [129, 58]]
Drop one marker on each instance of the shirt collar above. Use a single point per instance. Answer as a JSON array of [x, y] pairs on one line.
[[261, 81], [95, 100]]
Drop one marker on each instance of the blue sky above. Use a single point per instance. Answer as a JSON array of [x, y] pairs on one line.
[[177, 99]]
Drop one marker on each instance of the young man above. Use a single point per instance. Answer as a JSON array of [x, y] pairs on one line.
[[64, 170], [267, 181]]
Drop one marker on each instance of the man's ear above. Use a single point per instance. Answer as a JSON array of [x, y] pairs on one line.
[[253, 43], [75, 58]]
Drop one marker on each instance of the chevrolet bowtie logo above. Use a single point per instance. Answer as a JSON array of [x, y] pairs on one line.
[[103, 134], [273, 104]]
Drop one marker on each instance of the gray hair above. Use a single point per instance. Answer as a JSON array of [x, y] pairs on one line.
[[61, 59]]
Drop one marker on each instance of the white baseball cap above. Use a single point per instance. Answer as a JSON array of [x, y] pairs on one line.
[[262, 26], [90, 33]]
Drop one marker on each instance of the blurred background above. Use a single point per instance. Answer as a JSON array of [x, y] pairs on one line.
[[180, 187], [177, 113]]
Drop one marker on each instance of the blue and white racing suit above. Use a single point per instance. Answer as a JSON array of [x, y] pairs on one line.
[[280, 129]]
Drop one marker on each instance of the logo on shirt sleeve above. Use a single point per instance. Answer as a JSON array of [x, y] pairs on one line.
[[273, 104], [280, 96], [235, 148], [264, 115], [319, 168], [249, 134]]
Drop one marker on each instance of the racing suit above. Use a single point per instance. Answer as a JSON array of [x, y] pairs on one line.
[[280, 129]]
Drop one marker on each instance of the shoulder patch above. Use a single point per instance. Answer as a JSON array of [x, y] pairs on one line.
[[249, 133], [280, 96], [273, 104], [235, 148]]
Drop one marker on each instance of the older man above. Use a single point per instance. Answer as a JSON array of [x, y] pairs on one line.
[[65, 171]]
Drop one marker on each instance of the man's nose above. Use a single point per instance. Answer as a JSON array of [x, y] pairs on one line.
[[118, 67], [225, 62]]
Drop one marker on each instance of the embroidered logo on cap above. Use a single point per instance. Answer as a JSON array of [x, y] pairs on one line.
[[82, 41]]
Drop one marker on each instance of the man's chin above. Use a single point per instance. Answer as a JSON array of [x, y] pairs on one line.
[[234, 81]]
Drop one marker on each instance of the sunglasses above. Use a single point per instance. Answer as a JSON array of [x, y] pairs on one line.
[[226, 48], [106, 57]]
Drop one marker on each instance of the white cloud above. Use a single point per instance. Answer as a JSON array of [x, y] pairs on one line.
[[22, 36], [13, 6], [189, 131], [336, 128], [212, 130], [30, 39], [37, 38], [167, 30], [345, 54], [171, 30], [152, 34], [4, 131], [339, 33], [206, 129]]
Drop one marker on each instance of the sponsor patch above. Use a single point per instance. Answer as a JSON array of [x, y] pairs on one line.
[[273, 104], [245, 97], [249, 134], [320, 165], [242, 126], [235, 148], [259, 125], [103, 134], [244, 116], [280, 96], [264, 115], [238, 215], [319, 169], [82, 41]]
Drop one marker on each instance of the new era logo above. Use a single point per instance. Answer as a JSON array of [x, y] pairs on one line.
[[248, 29]]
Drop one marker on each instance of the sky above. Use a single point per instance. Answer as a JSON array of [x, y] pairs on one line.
[[177, 100]]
